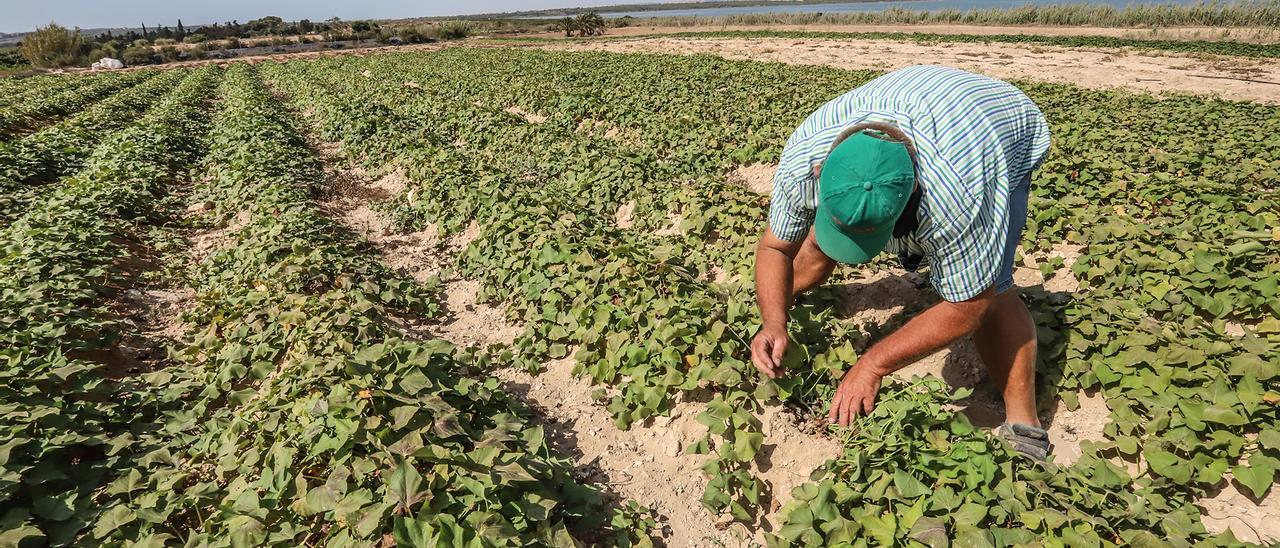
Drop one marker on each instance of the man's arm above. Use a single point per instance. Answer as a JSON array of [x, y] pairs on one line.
[[929, 332], [774, 274]]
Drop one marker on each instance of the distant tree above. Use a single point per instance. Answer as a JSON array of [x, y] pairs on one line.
[[267, 25], [568, 25], [52, 46], [590, 24], [144, 30], [305, 26], [182, 33]]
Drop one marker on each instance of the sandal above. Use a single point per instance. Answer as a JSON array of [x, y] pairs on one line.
[[1028, 440]]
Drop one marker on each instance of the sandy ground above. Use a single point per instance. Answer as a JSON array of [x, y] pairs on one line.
[[1240, 34], [1098, 68]]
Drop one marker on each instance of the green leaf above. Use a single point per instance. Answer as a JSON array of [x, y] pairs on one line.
[[908, 485], [404, 487], [1224, 415], [57, 507], [111, 520], [1258, 477], [1168, 465], [930, 531], [747, 445], [18, 535], [883, 528]]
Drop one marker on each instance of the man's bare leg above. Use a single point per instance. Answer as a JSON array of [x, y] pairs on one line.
[[810, 267], [1006, 341]]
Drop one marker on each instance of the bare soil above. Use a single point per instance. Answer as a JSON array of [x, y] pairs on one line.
[[1238, 34], [1097, 68], [531, 117], [648, 463], [203, 243], [1249, 520], [757, 178], [351, 197]]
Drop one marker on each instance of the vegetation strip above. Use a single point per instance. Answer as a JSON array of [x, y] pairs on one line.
[[70, 413], [57, 103], [59, 150]]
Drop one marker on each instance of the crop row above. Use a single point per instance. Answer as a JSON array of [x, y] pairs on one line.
[[69, 414], [42, 108], [14, 91], [298, 414], [622, 296], [60, 150]]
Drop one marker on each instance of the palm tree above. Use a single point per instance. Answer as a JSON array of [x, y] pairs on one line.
[[590, 24], [568, 25]]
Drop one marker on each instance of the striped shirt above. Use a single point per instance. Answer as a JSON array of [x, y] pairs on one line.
[[975, 137]]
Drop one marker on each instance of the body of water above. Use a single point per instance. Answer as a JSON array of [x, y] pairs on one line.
[[923, 5]]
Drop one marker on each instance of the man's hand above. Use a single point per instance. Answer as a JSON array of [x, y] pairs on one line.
[[856, 394], [768, 348]]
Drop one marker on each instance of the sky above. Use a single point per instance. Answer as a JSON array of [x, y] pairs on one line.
[[25, 15]]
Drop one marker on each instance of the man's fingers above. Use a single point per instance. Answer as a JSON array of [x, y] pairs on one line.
[[846, 408], [759, 354], [868, 404], [777, 352], [834, 413]]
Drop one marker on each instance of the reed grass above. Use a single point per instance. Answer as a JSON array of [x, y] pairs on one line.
[[1254, 13]]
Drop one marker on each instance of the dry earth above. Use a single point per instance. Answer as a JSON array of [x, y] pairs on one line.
[[1098, 68], [1238, 34]]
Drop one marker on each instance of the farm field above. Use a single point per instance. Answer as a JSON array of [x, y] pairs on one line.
[[502, 297]]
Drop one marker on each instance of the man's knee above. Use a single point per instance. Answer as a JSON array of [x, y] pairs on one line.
[[1009, 312]]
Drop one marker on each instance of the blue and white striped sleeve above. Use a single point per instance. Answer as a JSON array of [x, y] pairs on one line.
[[790, 214]]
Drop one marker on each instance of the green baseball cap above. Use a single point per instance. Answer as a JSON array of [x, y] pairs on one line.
[[863, 188]]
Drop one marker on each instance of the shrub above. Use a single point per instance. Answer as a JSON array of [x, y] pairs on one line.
[[52, 46], [108, 49], [453, 30], [138, 55], [196, 38], [164, 41]]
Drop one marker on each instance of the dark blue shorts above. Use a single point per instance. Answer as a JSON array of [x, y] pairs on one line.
[[1018, 196]]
